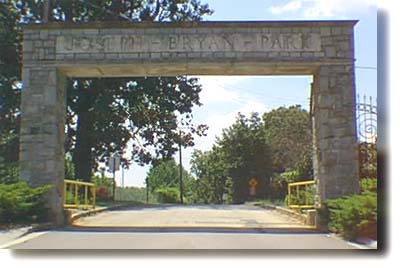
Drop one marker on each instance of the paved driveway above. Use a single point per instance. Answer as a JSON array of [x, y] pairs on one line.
[[184, 227], [83, 239], [196, 216]]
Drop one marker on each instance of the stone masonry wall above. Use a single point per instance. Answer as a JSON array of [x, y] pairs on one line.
[[335, 144], [118, 45], [42, 133], [325, 48]]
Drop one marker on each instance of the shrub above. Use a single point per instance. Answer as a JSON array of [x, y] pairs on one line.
[[368, 185], [168, 195], [136, 194], [104, 188], [19, 203], [351, 216], [9, 173]]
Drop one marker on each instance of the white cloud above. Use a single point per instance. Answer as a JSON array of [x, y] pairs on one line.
[[216, 93], [219, 121], [214, 89], [289, 7], [322, 8]]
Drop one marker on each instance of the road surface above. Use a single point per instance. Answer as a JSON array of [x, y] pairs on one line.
[[81, 239], [184, 227], [195, 216]]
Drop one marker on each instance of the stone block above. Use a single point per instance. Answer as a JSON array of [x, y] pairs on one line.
[[38, 43], [134, 55], [336, 30], [97, 56], [28, 46], [230, 54], [155, 55], [325, 31], [307, 55], [43, 34], [91, 31], [330, 51], [81, 56]]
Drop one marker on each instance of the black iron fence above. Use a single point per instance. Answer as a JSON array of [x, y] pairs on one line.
[[367, 135]]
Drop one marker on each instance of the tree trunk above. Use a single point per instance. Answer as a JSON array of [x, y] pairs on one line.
[[82, 156]]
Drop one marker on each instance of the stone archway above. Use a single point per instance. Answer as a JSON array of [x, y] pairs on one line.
[[324, 49]]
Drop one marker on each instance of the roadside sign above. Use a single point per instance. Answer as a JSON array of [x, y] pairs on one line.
[[252, 189], [253, 182], [114, 163]]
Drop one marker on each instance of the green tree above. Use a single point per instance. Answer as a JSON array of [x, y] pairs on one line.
[[248, 153], [103, 118], [104, 114], [280, 143], [288, 131], [10, 75], [165, 175], [368, 160], [211, 172]]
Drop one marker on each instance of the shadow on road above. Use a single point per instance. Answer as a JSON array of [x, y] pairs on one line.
[[183, 229]]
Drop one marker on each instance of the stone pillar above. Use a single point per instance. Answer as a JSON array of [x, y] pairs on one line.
[[42, 134], [334, 131]]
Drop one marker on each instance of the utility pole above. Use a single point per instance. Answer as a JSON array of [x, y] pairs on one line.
[[46, 11], [180, 166], [147, 190], [113, 164], [113, 178], [122, 183]]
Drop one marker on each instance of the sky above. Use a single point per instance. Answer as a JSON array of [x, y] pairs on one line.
[[224, 96]]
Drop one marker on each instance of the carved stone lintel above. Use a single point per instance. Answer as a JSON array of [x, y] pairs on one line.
[[189, 43]]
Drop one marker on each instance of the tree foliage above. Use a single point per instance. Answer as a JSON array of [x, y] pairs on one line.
[[239, 155], [368, 160], [354, 216], [273, 150], [103, 114], [288, 131], [10, 75], [211, 170], [164, 175], [247, 151], [19, 203]]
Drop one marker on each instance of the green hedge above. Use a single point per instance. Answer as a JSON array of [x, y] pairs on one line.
[[168, 195], [351, 216], [19, 203]]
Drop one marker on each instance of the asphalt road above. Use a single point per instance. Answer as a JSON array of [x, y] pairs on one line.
[[184, 227], [81, 239]]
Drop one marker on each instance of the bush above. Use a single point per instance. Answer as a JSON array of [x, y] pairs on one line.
[[351, 216], [20, 203], [368, 185], [9, 173], [306, 196], [168, 195], [136, 194], [104, 188]]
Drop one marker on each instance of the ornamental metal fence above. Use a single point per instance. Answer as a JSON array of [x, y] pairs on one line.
[[367, 135]]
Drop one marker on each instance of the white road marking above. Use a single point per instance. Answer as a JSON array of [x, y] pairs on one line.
[[22, 239]]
